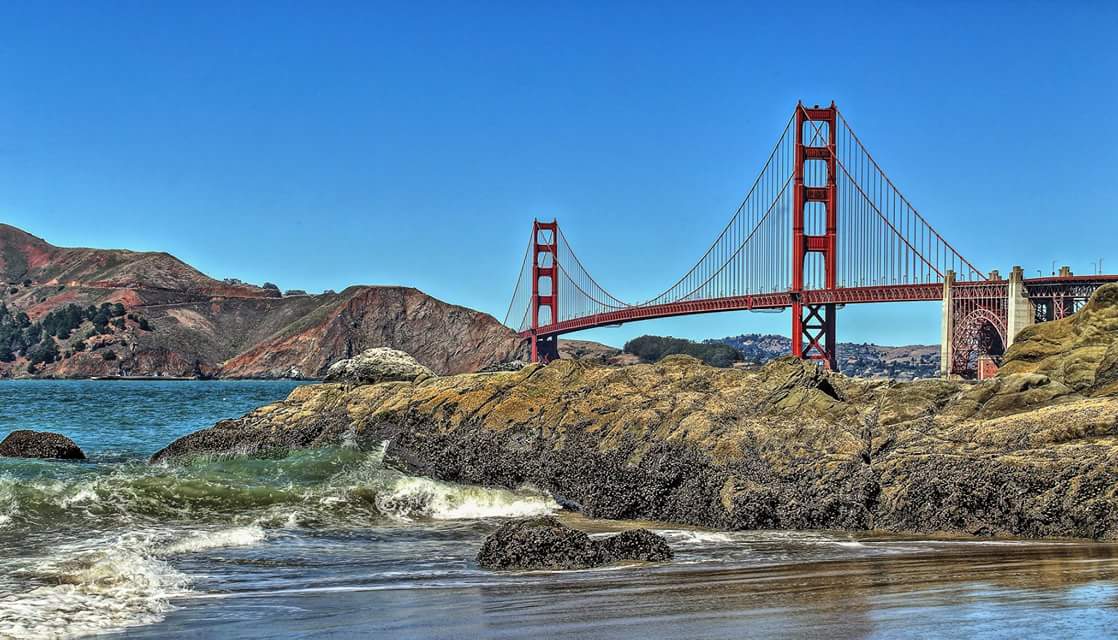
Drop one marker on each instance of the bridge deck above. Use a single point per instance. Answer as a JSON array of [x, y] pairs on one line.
[[781, 300]]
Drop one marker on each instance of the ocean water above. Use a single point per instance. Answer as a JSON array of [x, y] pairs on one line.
[[331, 543]]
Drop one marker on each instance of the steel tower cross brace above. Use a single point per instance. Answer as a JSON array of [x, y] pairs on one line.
[[813, 325], [545, 288]]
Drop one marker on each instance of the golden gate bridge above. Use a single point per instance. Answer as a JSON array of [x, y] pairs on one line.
[[821, 227]]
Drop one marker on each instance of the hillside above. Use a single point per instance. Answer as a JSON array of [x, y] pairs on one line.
[[855, 359], [96, 312], [864, 360]]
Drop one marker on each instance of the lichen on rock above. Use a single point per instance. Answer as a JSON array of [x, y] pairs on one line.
[[1079, 351]]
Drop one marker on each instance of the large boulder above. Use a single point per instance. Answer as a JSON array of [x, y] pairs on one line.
[[380, 364], [546, 543], [40, 444], [635, 544]]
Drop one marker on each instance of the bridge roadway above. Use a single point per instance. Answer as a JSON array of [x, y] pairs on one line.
[[933, 292]]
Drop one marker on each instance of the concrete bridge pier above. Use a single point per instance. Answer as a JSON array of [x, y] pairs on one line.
[[947, 325], [1019, 308]]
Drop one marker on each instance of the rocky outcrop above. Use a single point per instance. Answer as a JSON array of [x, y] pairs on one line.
[[1079, 352], [1033, 452], [40, 444], [197, 325], [595, 352], [547, 543], [784, 446], [514, 365], [377, 365]]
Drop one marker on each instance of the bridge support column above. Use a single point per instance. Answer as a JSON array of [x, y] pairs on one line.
[[947, 325], [814, 188], [1020, 309], [813, 333], [545, 349], [545, 288]]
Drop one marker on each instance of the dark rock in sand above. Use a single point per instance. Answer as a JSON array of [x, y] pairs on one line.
[[40, 444], [538, 543], [546, 543], [635, 544]]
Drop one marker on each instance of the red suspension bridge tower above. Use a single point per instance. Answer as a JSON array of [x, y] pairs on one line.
[[813, 325], [545, 290]]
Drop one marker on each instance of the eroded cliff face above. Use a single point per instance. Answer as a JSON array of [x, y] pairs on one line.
[[447, 338]]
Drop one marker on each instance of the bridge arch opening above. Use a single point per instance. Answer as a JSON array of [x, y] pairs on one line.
[[979, 334]]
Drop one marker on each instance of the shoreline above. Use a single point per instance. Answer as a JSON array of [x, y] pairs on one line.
[[786, 446], [157, 379]]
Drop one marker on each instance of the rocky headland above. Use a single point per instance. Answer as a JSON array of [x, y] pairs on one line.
[[1031, 453], [173, 320]]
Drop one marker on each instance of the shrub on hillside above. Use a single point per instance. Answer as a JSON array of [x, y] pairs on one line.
[[44, 352], [652, 348]]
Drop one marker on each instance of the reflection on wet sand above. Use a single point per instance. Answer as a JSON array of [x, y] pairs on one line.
[[951, 590], [764, 584]]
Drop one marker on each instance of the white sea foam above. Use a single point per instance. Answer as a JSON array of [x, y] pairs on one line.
[[202, 540], [687, 536], [85, 494], [409, 497], [91, 588], [853, 544], [99, 585]]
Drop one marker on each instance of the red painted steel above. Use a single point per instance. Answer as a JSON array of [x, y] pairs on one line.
[[813, 325], [781, 300], [545, 256]]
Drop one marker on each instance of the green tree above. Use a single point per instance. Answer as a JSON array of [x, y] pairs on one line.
[[44, 352], [653, 348]]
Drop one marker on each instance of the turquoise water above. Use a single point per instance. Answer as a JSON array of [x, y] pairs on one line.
[[116, 419], [332, 543]]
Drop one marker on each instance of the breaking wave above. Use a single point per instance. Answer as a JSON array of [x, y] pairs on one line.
[[101, 540], [321, 487]]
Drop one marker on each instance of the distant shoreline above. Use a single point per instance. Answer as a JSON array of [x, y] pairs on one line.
[[158, 379]]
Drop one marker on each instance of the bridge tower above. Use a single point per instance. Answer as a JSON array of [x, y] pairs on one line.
[[813, 325], [545, 288]]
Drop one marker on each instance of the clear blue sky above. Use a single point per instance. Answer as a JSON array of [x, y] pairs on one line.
[[412, 143]]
